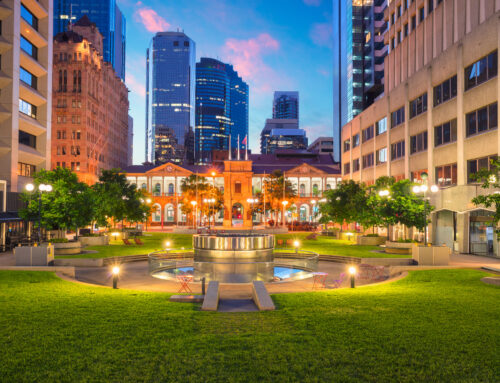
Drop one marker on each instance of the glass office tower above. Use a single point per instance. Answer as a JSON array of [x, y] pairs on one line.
[[172, 62], [221, 108], [108, 18], [358, 59], [286, 105]]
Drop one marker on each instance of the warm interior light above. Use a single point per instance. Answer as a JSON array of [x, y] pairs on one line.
[[116, 270]]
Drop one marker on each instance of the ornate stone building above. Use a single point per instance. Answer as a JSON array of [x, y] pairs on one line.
[[90, 105], [310, 174]]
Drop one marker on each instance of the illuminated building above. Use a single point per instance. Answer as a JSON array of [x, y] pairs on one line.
[[286, 105], [281, 134]]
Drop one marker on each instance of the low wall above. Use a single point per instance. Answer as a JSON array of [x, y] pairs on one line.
[[79, 262], [370, 241], [431, 255], [69, 271], [102, 240], [398, 247], [67, 248], [388, 261]]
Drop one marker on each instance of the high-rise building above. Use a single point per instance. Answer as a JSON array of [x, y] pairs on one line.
[[221, 108], [286, 105], [90, 105], [282, 134], [322, 145], [437, 123], [358, 58], [173, 63], [108, 18], [25, 90]]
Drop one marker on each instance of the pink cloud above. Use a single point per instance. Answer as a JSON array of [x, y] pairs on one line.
[[134, 85], [314, 3], [247, 56], [151, 20], [321, 34]]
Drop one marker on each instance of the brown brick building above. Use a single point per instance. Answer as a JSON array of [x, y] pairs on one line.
[[90, 105]]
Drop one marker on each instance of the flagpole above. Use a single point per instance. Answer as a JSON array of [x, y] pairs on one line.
[[246, 147], [230, 156], [238, 147]]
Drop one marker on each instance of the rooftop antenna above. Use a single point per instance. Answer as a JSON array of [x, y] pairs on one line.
[[230, 155], [70, 26]]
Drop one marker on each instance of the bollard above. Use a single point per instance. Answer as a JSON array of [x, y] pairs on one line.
[[203, 286]]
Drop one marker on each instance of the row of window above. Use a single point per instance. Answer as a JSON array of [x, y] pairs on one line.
[[75, 166], [398, 117], [63, 81], [61, 103], [25, 170], [75, 135], [75, 119], [418, 105], [27, 139]]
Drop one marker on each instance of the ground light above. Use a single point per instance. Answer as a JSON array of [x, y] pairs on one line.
[[115, 235], [296, 244], [349, 235], [352, 272], [168, 245], [116, 272]]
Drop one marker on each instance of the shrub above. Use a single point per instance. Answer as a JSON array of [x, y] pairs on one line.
[[59, 240], [371, 235], [406, 241]]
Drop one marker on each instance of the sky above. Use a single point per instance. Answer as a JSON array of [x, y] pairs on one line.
[[273, 44]]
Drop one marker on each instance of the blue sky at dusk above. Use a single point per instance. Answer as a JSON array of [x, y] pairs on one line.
[[273, 44]]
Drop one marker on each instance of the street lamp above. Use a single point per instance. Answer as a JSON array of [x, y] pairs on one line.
[[194, 214], [41, 188], [210, 207], [251, 201], [417, 189], [116, 272], [283, 216]]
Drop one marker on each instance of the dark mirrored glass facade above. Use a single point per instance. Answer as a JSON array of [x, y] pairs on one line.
[[286, 105], [108, 18]]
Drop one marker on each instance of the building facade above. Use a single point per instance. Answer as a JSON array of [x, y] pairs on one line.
[[221, 108], [281, 134], [286, 105], [26, 90], [322, 145], [108, 18], [90, 105], [173, 75], [439, 115], [130, 141], [239, 180], [358, 55]]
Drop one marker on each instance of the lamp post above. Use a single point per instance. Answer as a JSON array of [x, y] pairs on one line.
[[194, 215], [41, 188], [352, 273], [283, 215], [211, 202], [417, 189], [116, 272], [251, 201]]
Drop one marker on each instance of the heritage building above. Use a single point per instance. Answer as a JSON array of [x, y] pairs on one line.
[[239, 180], [439, 115], [90, 105]]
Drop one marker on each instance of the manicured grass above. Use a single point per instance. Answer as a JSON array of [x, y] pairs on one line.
[[155, 241], [330, 246], [433, 326]]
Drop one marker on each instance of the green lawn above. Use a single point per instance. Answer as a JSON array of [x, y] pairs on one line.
[[433, 326], [155, 241]]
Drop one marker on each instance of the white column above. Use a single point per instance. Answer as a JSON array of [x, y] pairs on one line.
[[461, 171], [430, 129]]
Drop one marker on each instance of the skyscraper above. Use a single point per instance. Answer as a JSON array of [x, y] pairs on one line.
[[108, 18], [282, 134], [172, 62], [221, 108], [286, 105], [358, 58]]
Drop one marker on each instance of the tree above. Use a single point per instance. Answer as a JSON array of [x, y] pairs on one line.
[[277, 189], [489, 180], [118, 200], [196, 188], [70, 204]]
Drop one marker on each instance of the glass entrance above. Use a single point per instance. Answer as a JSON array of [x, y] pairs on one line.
[[481, 233]]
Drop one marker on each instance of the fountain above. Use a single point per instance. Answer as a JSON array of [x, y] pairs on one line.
[[234, 258]]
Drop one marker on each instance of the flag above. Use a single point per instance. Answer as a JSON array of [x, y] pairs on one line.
[[244, 142]]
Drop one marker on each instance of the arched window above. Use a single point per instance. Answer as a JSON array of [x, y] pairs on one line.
[[315, 190], [79, 81], [60, 81], [157, 190], [170, 189], [157, 213], [302, 190], [65, 84], [74, 81], [328, 186], [143, 186], [170, 213]]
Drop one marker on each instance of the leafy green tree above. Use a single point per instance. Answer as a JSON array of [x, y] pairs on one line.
[[277, 189], [196, 188], [68, 206], [490, 179]]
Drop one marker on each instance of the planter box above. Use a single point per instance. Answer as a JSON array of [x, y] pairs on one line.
[[398, 247], [346, 237], [68, 248], [34, 255], [370, 241], [101, 240], [431, 255]]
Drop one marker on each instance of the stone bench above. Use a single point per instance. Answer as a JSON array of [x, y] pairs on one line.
[[211, 301], [261, 297]]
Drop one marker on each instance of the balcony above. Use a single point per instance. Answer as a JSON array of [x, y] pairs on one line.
[[4, 45], [31, 125], [31, 65], [29, 155], [32, 35], [36, 8], [4, 11], [4, 80], [31, 95]]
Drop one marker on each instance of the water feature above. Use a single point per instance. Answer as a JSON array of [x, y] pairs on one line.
[[234, 258]]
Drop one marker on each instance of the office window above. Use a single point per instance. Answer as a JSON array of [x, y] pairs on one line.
[[482, 120], [237, 187], [398, 117], [26, 108], [368, 160], [430, 6], [445, 91], [25, 170], [473, 166], [418, 105], [347, 145], [29, 48], [393, 45], [418, 143], [355, 165], [482, 70], [413, 22], [355, 140], [445, 133], [381, 126], [367, 134], [29, 17], [393, 18], [27, 77], [405, 29], [347, 168], [446, 175], [421, 14], [398, 150], [27, 139], [381, 156]]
